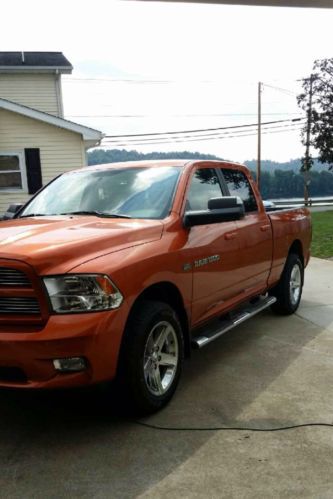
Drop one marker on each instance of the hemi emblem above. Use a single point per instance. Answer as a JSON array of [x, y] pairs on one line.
[[206, 261]]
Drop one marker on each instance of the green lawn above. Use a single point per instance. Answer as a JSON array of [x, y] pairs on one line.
[[322, 238]]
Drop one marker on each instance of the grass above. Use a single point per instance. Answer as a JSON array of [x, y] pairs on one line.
[[322, 238]]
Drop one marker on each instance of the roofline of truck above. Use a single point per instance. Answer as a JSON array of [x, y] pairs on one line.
[[162, 163]]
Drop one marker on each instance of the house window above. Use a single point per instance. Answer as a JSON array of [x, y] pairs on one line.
[[12, 172]]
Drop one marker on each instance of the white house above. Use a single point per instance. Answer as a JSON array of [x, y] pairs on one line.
[[36, 142]]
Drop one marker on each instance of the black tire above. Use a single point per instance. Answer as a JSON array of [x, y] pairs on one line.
[[133, 381], [288, 299]]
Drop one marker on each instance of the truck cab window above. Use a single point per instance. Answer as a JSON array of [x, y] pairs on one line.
[[239, 185], [204, 186]]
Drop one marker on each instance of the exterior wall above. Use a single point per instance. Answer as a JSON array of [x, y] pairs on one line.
[[60, 150], [38, 91]]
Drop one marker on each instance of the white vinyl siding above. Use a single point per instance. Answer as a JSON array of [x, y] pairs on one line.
[[60, 150], [38, 91]]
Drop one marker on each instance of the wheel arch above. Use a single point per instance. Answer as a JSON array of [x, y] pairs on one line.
[[166, 292], [297, 249]]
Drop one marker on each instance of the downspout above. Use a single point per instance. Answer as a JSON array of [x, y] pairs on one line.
[[59, 94]]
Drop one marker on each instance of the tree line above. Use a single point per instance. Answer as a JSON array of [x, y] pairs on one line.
[[290, 184], [100, 156]]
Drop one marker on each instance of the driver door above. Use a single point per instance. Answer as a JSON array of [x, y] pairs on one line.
[[211, 250]]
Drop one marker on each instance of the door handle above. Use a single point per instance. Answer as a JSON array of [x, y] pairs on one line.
[[230, 235], [263, 228]]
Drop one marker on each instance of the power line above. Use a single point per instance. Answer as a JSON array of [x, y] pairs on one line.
[[280, 89], [130, 144], [199, 139], [217, 115], [191, 138], [146, 81], [200, 130], [197, 136], [72, 79], [118, 80]]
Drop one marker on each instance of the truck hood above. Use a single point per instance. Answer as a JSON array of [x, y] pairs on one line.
[[56, 244]]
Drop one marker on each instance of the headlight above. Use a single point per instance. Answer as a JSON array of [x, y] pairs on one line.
[[82, 293]]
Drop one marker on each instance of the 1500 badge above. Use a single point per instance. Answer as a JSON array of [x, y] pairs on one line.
[[202, 262]]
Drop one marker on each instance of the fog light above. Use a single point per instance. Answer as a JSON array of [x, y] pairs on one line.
[[70, 364]]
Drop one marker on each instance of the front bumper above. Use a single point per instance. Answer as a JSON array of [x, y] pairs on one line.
[[30, 350]]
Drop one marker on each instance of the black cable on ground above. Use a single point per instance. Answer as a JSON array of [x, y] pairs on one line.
[[231, 428]]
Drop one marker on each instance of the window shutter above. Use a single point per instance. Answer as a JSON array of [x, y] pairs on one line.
[[34, 170]]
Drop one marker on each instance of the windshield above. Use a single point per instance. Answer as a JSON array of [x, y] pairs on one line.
[[129, 192]]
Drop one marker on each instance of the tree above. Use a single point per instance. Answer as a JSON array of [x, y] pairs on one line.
[[317, 101]]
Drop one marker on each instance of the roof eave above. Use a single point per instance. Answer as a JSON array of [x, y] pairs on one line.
[[36, 69], [88, 134], [89, 143]]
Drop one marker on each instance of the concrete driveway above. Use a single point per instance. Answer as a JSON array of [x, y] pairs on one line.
[[270, 371]]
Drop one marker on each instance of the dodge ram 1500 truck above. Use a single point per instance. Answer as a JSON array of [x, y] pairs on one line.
[[116, 271]]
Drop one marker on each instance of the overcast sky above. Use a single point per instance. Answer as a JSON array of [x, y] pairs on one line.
[[209, 58]]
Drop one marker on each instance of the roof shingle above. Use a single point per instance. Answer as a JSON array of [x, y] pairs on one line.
[[36, 59]]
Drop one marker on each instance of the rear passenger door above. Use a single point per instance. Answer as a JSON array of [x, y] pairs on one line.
[[254, 234]]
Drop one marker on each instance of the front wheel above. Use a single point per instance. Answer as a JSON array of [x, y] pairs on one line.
[[288, 291], [152, 357]]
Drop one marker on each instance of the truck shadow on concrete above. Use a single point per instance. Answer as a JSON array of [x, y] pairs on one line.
[[73, 443]]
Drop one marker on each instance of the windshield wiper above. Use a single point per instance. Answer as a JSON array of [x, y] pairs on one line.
[[35, 215], [95, 213]]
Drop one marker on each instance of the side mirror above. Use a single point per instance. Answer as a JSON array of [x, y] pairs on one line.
[[225, 203], [225, 209], [12, 210]]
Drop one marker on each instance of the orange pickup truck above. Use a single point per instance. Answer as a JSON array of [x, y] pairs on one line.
[[117, 271]]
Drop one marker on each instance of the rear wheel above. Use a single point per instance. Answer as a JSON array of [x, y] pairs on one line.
[[288, 292], [152, 357]]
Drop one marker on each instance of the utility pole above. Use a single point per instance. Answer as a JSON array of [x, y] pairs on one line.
[[259, 135], [307, 159]]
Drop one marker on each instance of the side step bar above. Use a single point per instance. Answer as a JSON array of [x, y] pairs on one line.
[[207, 334]]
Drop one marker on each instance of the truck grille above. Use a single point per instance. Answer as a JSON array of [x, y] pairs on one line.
[[22, 297], [13, 278], [19, 305]]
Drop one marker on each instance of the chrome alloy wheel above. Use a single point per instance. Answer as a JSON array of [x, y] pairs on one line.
[[295, 284], [161, 358]]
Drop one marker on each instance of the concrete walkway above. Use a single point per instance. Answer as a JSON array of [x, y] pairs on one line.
[[271, 371]]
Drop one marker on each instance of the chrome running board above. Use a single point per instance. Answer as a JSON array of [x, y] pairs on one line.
[[206, 334]]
